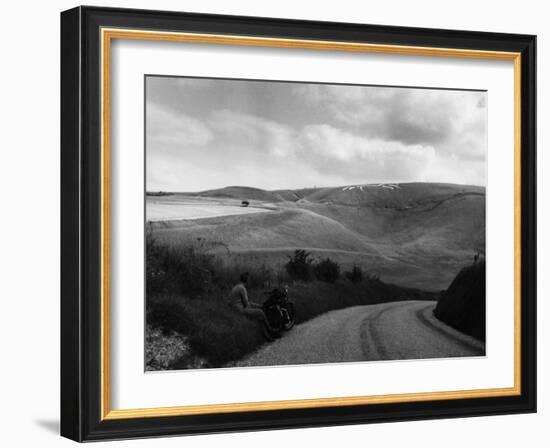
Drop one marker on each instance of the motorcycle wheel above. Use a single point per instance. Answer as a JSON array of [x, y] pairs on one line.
[[292, 317]]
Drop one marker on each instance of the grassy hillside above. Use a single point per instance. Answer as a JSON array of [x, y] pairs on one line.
[[399, 196], [392, 196], [242, 193], [462, 306], [416, 234], [190, 324], [282, 228]]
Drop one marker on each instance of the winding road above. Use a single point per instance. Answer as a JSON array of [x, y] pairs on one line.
[[387, 331]]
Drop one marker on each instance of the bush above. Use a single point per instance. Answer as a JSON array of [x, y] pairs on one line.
[[299, 266], [327, 270], [462, 306], [355, 275]]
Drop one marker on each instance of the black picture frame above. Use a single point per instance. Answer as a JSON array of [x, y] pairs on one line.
[[81, 414]]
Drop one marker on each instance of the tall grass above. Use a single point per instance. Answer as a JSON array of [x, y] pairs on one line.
[[214, 331], [187, 290]]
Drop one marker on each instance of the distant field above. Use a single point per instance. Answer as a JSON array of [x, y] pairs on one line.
[[168, 208], [416, 235]]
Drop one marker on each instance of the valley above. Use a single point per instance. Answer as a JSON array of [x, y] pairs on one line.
[[411, 234]]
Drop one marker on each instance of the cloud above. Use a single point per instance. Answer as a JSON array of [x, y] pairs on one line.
[[330, 149], [165, 127], [283, 135], [255, 132], [410, 116]]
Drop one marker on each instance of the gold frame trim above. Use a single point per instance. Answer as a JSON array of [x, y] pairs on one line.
[[107, 35]]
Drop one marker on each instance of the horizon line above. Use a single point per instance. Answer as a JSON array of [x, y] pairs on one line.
[[312, 187]]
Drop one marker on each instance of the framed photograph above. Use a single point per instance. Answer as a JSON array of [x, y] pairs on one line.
[[273, 223]]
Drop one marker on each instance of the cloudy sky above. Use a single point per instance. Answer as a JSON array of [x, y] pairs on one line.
[[207, 133]]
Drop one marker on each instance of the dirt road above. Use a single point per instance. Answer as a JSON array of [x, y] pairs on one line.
[[396, 330]]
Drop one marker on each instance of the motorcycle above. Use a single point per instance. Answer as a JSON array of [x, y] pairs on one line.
[[280, 313]]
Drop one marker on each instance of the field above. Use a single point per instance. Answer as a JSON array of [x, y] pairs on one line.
[[178, 207], [415, 235]]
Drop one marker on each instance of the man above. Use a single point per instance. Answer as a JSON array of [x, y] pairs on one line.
[[238, 298]]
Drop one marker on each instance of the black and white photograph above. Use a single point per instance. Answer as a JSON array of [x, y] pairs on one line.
[[297, 223]]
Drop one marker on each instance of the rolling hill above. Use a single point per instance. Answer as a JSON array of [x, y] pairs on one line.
[[397, 196], [412, 234], [242, 193]]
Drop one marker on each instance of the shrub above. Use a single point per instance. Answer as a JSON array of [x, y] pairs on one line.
[[355, 275], [299, 265], [462, 306], [327, 270]]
